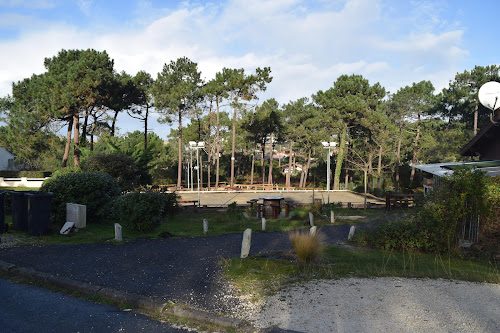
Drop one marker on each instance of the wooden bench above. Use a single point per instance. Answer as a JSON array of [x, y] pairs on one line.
[[194, 202], [398, 200]]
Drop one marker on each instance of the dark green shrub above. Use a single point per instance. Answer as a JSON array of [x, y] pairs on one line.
[[94, 190], [143, 211], [439, 221], [119, 166]]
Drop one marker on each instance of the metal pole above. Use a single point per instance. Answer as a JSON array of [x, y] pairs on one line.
[[191, 168], [198, 173], [328, 175]]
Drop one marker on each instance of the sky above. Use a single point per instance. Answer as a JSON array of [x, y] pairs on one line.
[[307, 43]]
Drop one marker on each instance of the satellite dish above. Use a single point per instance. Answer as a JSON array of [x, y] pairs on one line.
[[489, 95]]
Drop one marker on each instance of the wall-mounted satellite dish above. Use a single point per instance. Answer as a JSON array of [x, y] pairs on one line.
[[489, 95]]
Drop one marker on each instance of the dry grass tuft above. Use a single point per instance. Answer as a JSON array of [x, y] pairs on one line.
[[307, 247]]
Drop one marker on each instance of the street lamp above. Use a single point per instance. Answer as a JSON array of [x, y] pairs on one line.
[[197, 145], [329, 146]]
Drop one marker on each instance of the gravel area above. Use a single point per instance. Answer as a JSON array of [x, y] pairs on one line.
[[382, 305]]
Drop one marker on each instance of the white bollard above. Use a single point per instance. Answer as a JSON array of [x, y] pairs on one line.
[[118, 232], [205, 226], [245, 243], [311, 219], [312, 231], [263, 224], [332, 217], [351, 232]]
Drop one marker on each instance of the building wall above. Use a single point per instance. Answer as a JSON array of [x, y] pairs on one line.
[[6, 160]]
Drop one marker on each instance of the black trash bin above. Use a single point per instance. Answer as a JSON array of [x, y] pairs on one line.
[[39, 212], [3, 226], [19, 210]]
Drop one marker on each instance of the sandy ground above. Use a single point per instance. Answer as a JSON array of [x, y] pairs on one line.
[[382, 305], [302, 197]]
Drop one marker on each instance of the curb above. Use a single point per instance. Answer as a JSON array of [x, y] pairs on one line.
[[138, 302]]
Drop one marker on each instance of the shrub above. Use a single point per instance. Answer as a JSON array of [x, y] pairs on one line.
[[307, 247], [439, 221], [94, 190], [119, 166], [143, 211]]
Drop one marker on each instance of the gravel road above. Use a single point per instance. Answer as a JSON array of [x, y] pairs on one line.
[[383, 305]]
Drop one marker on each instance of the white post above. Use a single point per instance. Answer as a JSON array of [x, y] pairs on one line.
[[263, 224], [311, 219], [351, 232], [332, 217], [312, 231], [245, 243], [118, 232], [205, 226]]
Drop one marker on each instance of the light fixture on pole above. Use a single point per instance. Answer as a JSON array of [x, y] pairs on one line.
[[329, 146], [197, 145]]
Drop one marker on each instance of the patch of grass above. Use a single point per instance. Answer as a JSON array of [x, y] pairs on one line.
[[307, 247], [259, 276]]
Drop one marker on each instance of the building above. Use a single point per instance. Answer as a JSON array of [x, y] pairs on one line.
[[6, 160]]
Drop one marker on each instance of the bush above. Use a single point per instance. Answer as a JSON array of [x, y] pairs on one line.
[[307, 247], [439, 221], [143, 211], [119, 166], [94, 190]]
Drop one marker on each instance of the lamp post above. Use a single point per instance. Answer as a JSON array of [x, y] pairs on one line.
[[329, 146], [197, 145]]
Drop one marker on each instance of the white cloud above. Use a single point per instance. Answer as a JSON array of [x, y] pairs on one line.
[[307, 48]]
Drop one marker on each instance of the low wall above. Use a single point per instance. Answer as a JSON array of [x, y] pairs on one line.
[[21, 182]]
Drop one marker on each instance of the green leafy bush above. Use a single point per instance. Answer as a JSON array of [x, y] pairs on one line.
[[143, 211], [119, 166], [94, 190], [439, 221]]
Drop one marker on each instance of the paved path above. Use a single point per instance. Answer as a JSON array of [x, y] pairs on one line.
[[184, 270], [32, 309]]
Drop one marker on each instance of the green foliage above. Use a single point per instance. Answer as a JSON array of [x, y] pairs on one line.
[[119, 166], [142, 211], [95, 190], [490, 225], [439, 221]]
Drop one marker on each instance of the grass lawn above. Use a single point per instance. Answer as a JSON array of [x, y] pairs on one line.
[[190, 224], [262, 275]]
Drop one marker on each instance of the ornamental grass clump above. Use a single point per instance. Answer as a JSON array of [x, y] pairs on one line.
[[307, 247]]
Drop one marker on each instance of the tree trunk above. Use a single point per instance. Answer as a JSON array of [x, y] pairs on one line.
[[179, 166], [340, 159], [415, 149], [365, 179], [253, 165], [84, 128], [263, 167], [217, 145], [307, 168], [370, 167], [68, 143], [475, 118], [270, 176], [146, 128], [113, 123], [379, 167], [398, 158], [76, 139], [289, 172], [233, 144]]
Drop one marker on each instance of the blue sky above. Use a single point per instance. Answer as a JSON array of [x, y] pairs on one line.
[[307, 44]]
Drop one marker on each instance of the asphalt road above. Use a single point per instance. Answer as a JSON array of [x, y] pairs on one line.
[[26, 308]]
